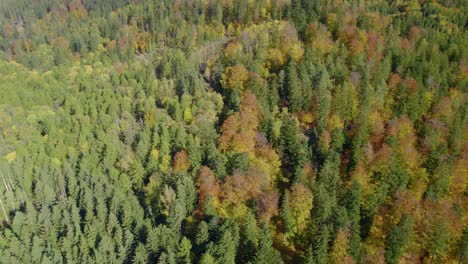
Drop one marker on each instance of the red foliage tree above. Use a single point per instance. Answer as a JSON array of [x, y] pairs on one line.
[[207, 185], [267, 206]]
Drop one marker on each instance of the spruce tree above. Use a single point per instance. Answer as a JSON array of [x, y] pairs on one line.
[[399, 240], [293, 88]]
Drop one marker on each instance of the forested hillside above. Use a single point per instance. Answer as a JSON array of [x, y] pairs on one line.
[[233, 131]]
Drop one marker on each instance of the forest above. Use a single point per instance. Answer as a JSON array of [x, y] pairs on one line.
[[233, 131]]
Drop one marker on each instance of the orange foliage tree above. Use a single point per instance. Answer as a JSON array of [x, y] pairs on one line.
[[208, 186], [180, 162], [238, 131]]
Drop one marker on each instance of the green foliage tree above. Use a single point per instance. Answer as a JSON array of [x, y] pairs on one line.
[[266, 253], [323, 101], [399, 240], [293, 88], [294, 154]]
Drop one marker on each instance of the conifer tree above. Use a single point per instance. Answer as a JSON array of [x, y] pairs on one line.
[[266, 254], [293, 88], [399, 240]]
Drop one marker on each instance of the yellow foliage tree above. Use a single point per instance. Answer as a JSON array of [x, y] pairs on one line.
[[234, 78], [339, 251], [301, 202]]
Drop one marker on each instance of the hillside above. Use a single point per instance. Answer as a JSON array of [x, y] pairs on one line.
[[233, 131]]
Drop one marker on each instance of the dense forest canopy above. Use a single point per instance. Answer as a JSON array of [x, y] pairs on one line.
[[233, 131]]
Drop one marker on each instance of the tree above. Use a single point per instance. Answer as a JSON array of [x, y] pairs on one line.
[[361, 136], [266, 254], [298, 15], [203, 234], [234, 78], [399, 239], [294, 154], [184, 250], [238, 131], [194, 152], [267, 204], [301, 201], [241, 187], [285, 214], [180, 162], [208, 186], [339, 251], [237, 162], [141, 254], [215, 160], [226, 250], [293, 88], [323, 101], [207, 259], [249, 238], [439, 241], [353, 203], [325, 198], [320, 248]]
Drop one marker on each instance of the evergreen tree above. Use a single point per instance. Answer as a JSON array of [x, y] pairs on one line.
[[202, 235], [266, 253], [439, 240], [249, 239], [353, 204], [294, 154], [293, 88], [285, 214], [399, 239], [323, 101]]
